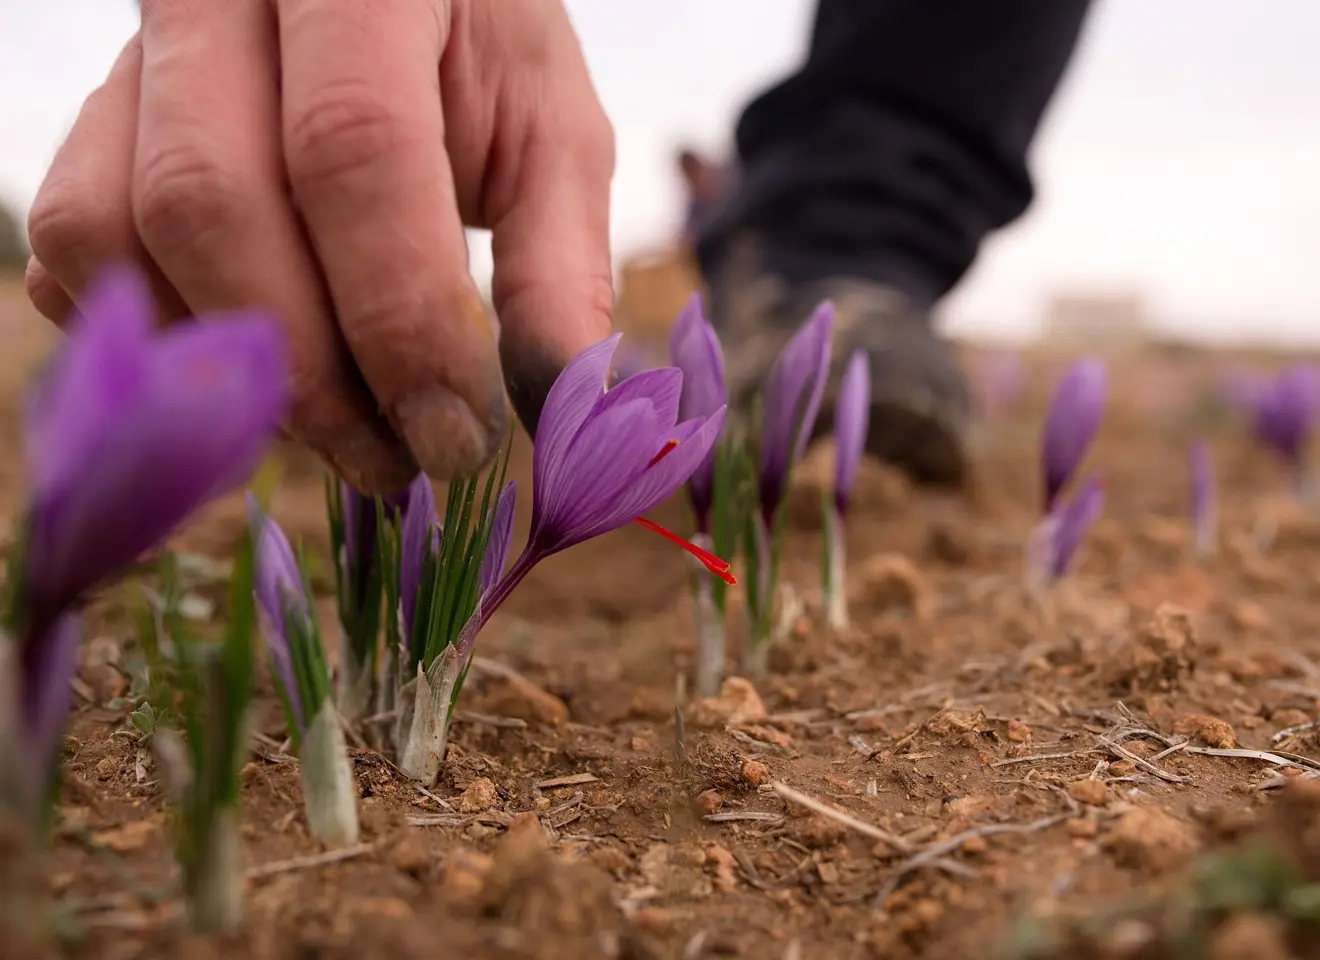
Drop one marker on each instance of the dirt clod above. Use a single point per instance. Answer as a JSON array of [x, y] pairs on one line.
[[1093, 793], [1147, 838], [480, 795], [1211, 731], [890, 581]]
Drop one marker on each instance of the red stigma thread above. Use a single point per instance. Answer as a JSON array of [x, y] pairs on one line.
[[665, 451], [711, 562]]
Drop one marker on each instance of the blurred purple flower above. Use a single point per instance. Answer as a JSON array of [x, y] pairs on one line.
[[1072, 520], [852, 411], [1286, 410], [1001, 379], [419, 538], [791, 398], [278, 586], [499, 540], [1202, 496], [1071, 422], [602, 458], [695, 350], [48, 662], [131, 429]]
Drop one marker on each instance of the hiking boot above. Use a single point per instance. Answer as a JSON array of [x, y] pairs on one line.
[[920, 409]]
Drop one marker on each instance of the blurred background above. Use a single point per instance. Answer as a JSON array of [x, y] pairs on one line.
[[1176, 171]]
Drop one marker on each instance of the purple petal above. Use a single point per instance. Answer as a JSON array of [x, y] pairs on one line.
[[1287, 411], [658, 483], [49, 662], [359, 540], [194, 422], [575, 391], [417, 539], [1203, 494], [660, 387], [792, 397], [608, 456], [852, 412], [499, 541], [277, 584], [1075, 518], [1070, 424]]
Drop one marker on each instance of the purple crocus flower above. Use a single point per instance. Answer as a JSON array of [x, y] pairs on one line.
[[1286, 410], [1202, 497], [419, 538], [852, 413], [1071, 422], [695, 349], [1001, 380], [131, 430], [278, 586], [1071, 521], [602, 458], [499, 540], [792, 397]]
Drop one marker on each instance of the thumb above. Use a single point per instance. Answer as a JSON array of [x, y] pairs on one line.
[[552, 282]]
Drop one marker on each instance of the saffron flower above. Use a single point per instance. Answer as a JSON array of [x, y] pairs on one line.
[[792, 397], [1071, 422], [1285, 414], [694, 349], [713, 488], [1001, 382], [126, 433], [852, 412], [1203, 507], [603, 458], [791, 402], [132, 429], [293, 640]]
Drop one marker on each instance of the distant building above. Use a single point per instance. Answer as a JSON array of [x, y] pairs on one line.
[[1097, 320]]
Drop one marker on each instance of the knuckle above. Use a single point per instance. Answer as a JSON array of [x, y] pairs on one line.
[[345, 128], [186, 199]]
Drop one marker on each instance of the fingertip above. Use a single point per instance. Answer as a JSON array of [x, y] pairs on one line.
[[51, 300]]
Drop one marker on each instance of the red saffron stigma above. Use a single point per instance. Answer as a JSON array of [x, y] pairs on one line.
[[711, 562], [665, 451]]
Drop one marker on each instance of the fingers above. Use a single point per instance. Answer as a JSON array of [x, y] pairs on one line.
[[82, 219], [210, 204], [364, 146], [50, 299]]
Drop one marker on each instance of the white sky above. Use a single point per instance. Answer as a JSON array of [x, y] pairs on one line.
[[1182, 157]]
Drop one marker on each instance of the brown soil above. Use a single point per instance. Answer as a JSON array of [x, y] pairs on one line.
[[992, 756]]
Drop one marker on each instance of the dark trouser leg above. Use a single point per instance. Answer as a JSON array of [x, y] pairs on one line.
[[900, 144]]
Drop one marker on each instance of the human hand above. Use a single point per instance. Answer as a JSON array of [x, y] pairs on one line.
[[320, 158]]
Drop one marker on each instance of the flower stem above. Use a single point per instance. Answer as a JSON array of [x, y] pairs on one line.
[[215, 881], [424, 752], [710, 630], [762, 612], [836, 595], [327, 780], [353, 693]]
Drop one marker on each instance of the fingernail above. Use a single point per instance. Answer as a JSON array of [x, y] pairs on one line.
[[444, 436], [369, 458]]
